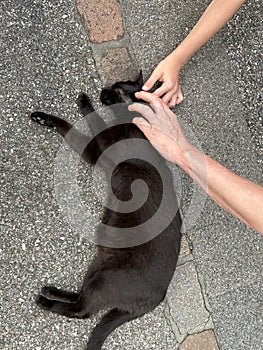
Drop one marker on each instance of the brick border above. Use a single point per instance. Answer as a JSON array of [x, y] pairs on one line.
[[109, 41], [201, 341]]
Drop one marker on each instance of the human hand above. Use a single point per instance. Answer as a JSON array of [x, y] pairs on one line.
[[167, 72], [161, 128]]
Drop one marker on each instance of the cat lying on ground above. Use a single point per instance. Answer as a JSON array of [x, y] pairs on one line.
[[129, 279]]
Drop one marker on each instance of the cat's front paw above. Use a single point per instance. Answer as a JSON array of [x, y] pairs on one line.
[[83, 100], [84, 104], [42, 119]]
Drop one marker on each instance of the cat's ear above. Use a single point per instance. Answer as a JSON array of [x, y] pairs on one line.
[[139, 79]]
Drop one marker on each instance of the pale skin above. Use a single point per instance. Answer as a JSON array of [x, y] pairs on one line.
[[218, 13], [237, 195]]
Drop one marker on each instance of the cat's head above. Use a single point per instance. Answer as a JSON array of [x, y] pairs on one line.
[[122, 91]]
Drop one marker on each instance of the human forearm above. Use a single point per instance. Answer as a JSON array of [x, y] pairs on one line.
[[239, 196], [217, 14], [167, 71]]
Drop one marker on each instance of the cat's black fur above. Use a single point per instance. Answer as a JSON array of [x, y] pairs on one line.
[[125, 282]]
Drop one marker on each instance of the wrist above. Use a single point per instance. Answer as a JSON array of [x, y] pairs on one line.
[[179, 57], [190, 160]]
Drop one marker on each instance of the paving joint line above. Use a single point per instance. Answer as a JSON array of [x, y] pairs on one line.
[[174, 327]]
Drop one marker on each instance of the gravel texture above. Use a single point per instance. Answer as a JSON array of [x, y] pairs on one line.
[[243, 38], [45, 62]]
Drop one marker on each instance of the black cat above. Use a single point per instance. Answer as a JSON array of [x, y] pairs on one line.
[[126, 278]]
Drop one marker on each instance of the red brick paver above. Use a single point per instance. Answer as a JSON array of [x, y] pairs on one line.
[[117, 65], [201, 341], [102, 19]]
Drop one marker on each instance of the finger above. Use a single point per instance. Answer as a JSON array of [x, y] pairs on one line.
[[144, 110], [163, 89], [155, 102], [180, 97], [173, 101], [168, 97], [147, 97], [151, 81]]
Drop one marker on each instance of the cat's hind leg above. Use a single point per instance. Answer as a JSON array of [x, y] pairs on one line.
[[68, 303], [53, 293], [71, 309]]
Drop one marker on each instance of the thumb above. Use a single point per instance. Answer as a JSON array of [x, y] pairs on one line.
[[151, 81]]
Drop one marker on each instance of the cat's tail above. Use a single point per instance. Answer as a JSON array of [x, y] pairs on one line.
[[109, 322]]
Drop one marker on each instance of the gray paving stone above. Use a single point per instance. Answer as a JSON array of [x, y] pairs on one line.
[[228, 257], [237, 315], [186, 304]]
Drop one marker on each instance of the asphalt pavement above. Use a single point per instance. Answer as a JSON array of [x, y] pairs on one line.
[[46, 60]]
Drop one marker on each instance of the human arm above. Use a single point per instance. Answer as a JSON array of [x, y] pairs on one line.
[[217, 14], [239, 196]]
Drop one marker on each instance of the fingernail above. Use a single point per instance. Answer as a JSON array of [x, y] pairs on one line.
[[145, 87]]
